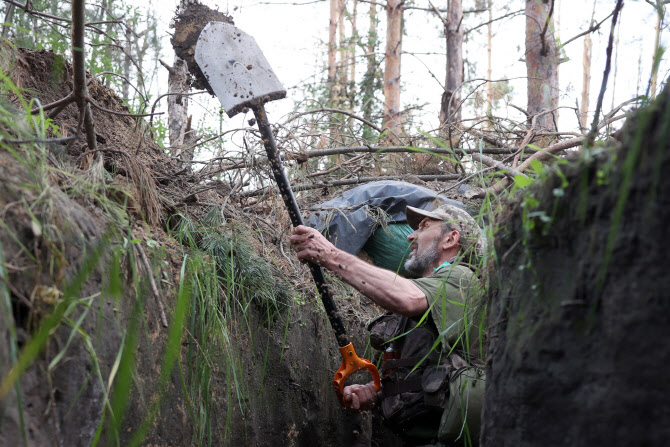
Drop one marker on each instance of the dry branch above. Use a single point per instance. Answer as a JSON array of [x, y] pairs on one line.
[[343, 112], [393, 149], [356, 181], [509, 172], [594, 126], [61, 102], [592, 28], [31, 11], [113, 112]]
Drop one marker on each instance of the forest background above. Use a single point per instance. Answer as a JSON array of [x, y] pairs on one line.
[[345, 70]]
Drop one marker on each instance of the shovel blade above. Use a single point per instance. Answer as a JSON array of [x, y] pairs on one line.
[[235, 68]]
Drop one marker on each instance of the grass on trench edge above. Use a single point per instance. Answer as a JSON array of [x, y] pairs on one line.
[[214, 289]]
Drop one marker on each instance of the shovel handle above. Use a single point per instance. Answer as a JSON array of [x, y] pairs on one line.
[[350, 361], [296, 219], [350, 364]]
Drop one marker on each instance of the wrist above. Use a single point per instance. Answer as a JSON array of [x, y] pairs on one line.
[[334, 261]]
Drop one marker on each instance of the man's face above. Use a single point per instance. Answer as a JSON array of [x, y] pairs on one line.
[[425, 241]]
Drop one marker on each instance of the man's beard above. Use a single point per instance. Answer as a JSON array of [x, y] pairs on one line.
[[418, 264]]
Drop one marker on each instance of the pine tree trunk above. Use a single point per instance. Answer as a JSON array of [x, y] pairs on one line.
[[351, 95], [541, 65], [450, 112], [332, 47], [392, 118], [370, 79], [342, 73]]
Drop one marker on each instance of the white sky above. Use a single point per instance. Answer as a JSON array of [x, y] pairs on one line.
[[293, 39]]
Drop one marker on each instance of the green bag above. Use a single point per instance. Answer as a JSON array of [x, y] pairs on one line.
[[388, 247], [464, 410]]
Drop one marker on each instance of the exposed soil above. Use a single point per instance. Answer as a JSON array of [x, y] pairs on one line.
[[289, 400], [580, 319], [188, 25]]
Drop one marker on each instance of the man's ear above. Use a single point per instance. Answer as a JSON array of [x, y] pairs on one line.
[[451, 239]]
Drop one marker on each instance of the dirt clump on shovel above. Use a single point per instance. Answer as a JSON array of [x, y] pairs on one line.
[[188, 24]]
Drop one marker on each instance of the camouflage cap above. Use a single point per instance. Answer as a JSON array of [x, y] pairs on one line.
[[456, 218]]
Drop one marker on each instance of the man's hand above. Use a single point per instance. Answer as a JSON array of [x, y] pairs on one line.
[[311, 246], [360, 397]]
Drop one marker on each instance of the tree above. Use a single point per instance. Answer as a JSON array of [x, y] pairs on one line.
[[450, 110], [392, 118], [542, 58], [179, 122], [370, 83], [332, 47]]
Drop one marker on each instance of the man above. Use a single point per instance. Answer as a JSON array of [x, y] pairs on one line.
[[427, 393]]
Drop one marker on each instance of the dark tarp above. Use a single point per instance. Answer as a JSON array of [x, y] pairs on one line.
[[349, 220]]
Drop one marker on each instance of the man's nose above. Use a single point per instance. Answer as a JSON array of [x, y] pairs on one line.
[[412, 236]]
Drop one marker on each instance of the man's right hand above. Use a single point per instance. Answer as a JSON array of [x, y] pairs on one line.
[[312, 246], [360, 397]]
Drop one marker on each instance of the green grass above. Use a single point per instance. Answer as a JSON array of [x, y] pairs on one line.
[[200, 295], [232, 288]]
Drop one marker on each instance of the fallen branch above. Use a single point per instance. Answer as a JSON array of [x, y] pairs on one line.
[[509, 172], [356, 181], [302, 156], [392, 149], [343, 112], [547, 152], [61, 102]]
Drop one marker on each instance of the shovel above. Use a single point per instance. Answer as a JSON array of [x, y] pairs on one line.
[[241, 78]]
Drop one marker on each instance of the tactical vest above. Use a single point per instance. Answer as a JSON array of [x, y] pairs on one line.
[[411, 395]]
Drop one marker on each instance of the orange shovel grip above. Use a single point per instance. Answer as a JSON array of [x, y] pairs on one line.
[[350, 364]]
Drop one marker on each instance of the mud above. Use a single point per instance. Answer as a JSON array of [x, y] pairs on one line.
[[188, 24], [580, 319]]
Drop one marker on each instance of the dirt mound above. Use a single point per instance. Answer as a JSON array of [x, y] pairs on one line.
[[581, 310]]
